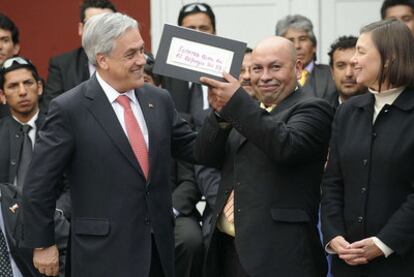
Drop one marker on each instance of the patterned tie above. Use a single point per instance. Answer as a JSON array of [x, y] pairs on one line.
[[303, 77], [25, 156], [5, 265], [136, 139]]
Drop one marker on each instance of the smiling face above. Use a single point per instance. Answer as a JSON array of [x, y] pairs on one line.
[[21, 92], [275, 70], [123, 68], [367, 62], [343, 73]]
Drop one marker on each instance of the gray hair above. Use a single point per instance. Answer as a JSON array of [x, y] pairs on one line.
[[298, 22], [102, 30]]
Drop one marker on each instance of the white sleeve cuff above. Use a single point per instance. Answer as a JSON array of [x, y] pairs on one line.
[[328, 248], [384, 248]]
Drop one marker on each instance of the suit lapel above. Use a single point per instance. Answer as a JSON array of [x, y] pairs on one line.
[[148, 107], [8, 202], [285, 104], [101, 109], [15, 138]]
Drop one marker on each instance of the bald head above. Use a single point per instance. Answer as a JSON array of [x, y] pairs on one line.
[[275, 69], [279, 44]]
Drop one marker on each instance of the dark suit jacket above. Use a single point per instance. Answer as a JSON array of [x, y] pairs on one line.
[[22, 256], [320, 84], [65, 72], [115, 211], [11, 139], [274, 163], [368, 185]]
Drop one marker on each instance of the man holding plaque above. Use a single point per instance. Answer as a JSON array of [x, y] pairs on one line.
[[271, 156]]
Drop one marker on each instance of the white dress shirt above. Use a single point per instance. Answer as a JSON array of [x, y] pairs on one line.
[[112, 95]]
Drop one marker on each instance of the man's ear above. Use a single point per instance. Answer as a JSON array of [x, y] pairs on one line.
[[80, 29], [39, 87], [2, 97], [16, 49], [101, 61]]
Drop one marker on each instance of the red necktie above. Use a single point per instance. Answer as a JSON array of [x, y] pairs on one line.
[[136, 139]]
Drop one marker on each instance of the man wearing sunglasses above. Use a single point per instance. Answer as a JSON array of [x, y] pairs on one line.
[[191, 101], [68, 70], [9, 47], [20, 88]]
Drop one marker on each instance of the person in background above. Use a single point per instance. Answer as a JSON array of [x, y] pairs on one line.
[[315, 78], [343, 71], [245, 71], [9, 47], [399, 9], [367, 207], [185, 195], [21, 87], [69, 69]]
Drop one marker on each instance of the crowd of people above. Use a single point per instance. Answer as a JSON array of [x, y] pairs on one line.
[[303, 168]]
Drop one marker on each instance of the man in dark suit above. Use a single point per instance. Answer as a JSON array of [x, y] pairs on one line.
[[272, 156], [342, 69], [115, 137], [316, 78], [9, 47], [191, 101], [21, 87], [69, 69], [400, 9]]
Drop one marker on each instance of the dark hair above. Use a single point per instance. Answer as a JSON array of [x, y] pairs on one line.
[[194, 8], [248, 50], [342, 43], [391, 3], [7, 24], [101, 4], [394, 42], [149, 66], [17, 65]]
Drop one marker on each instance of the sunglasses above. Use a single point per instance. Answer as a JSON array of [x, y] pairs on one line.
[[19, 60], [194, 7]]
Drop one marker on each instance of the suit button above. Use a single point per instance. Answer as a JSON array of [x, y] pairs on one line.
[[238, 210], [374, 135], [147, 221], [17, 136], [217, 215], [365, 162], [363, 189], [360, 219], [386, 110], [147, 192], [13, 162]]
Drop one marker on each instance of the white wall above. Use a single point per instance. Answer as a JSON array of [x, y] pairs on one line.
[[253, 20]]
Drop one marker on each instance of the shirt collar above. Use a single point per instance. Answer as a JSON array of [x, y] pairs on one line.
[[310, 67], [31, 122], [112, 94]]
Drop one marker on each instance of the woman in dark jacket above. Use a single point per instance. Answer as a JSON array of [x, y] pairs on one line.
[[368, 187]]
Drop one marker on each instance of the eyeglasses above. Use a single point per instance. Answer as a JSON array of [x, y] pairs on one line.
[[195, 6], [9, 62]]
